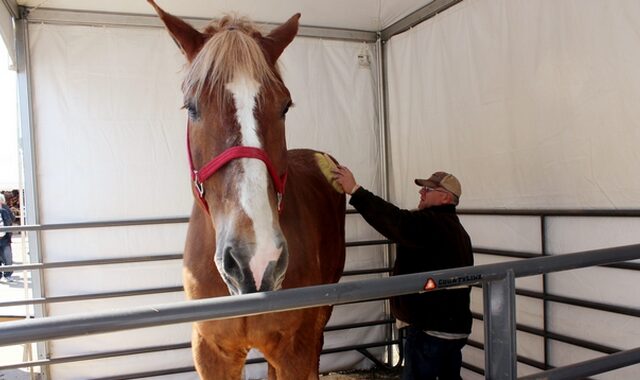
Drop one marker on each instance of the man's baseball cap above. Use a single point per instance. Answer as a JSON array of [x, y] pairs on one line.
[[442, 179]]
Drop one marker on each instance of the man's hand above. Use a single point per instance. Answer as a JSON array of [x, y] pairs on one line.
[[343, 176]]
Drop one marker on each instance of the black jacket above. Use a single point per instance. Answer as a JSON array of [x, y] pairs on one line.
[[7, 219], [427, 240]]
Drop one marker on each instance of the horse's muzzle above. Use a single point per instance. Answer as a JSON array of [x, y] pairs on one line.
[[247, 270]]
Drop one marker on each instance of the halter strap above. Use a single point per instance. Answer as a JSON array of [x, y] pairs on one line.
[[200, 176]]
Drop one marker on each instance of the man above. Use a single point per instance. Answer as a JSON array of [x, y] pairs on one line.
[[429, 238], [6, 255]]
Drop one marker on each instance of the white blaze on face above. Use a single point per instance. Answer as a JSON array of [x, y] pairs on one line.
[[253, 187]]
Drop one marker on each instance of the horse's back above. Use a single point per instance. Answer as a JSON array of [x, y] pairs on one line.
[[313, 221]]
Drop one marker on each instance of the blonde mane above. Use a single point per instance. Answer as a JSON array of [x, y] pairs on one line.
[[232, 49]]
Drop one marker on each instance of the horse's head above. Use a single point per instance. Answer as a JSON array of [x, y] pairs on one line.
[[237, 104]]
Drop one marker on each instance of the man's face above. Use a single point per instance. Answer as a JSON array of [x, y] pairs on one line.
[[430, 197]]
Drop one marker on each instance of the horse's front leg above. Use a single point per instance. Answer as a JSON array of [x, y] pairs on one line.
[[214, 362], [299, 365], [296, 356], [271, 372]]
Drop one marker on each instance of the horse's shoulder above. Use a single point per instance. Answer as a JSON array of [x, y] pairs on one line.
[[300, 155], [306, 160], [307, 183], [311, 167]]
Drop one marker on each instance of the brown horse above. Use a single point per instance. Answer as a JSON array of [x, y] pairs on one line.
[[267, 218]]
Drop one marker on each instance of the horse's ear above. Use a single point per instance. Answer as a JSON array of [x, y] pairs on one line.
[[276, 41], [188, 39]]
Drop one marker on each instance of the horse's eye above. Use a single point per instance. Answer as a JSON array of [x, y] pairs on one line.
[[192, 110], [286, 109]]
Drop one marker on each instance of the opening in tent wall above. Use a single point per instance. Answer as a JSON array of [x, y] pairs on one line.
[[111, 146], [10, 174], [7, 34], [533, 105]]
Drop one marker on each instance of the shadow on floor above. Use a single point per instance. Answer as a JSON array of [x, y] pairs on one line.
[[372, 374]]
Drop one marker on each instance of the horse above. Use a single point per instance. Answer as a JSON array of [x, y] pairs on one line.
[[265, 217]]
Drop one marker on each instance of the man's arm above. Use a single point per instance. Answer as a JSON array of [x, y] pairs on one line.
[[401, 226]]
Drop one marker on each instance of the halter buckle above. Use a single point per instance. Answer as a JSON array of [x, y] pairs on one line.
[[198, 185], [279, 198]]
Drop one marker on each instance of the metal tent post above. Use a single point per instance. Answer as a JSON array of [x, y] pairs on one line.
[[500, 327], [29, 160]]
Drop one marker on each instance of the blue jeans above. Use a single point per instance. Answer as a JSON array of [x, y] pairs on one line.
[[428, 357], [6, 258]]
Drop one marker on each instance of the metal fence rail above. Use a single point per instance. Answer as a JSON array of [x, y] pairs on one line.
[[590, 367], [142, 259], [544, 216], [546, 297], [498, 281], [74, 264], [187, 345]]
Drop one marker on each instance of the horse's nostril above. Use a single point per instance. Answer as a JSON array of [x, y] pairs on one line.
[[281, 243], [275, 271], [231, 264]]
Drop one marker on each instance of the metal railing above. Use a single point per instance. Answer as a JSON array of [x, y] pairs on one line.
[[542, 214], [498, 281], [143, 259], [543, 217], [72, 265]]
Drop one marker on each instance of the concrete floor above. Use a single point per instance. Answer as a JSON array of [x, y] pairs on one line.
[[373, 374]]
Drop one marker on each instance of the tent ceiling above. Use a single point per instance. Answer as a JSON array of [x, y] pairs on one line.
[[368, 15]]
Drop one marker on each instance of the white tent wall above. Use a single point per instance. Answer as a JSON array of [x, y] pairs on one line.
[[110, 145], [533, 105], [530, 103]]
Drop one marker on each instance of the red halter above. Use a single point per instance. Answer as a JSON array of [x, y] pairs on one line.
[[200, 176]]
